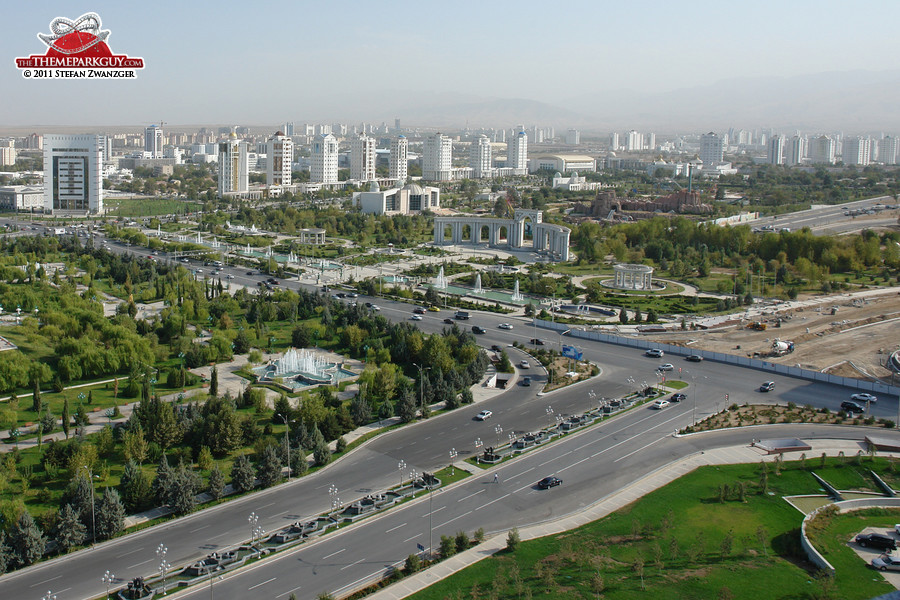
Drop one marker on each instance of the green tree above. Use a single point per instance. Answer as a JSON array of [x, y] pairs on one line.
[[448, 546], [26, 541], [406, 406], [216, 486], [623, 317], [69, 531], [269, 469], [243, 475], [134, 486], [322, 454], [183, 491], [512, 539], [66, 419], [214, 382], [110, 514], [135, 447]]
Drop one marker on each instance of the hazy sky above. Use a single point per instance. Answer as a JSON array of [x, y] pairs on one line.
[[267, 62]]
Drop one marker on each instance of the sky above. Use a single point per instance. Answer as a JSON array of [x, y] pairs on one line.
[[267, 62]]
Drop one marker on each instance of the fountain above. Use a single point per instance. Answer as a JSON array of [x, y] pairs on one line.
[[478, 288], [517, 295], [199, 239], [248, 251], [300, 362], [441, 280]]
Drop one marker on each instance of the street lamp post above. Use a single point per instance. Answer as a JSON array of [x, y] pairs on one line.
[[253, 519], [164, 566], [107, 578], [287, 444], [93, 519], [549, 411], [49, 596], [335, 501], [400, 466], [498, 430], [421, 385], [453, 455]]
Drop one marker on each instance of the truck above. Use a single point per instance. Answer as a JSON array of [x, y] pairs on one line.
[[461, 315], [780, 348]]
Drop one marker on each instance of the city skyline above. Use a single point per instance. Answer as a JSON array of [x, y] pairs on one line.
[[371, 62]]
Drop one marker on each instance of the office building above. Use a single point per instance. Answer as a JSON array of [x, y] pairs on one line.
[[480, 157], [634, 141], [775, 155], [889, 150], [822, 150], [73, 180], [323, 167], [857, 151], [650, 141], [153, 141], [573, 137], [437, 158], [288, 128], [234, 167], [795, 150], [279, 156], [362, 158], [410, 199], [398, 162], [7, 152], [614, 141], [712, 149], [517, 154]]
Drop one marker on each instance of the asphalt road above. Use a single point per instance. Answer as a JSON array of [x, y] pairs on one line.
[[593, 464], [830, 219]]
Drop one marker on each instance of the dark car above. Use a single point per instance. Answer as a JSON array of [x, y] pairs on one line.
[[496, 348], [549, 482], [694, 358], [526, 381], [677, 397], [851, 407], [419, 310], [477, 329], [251, 273], [876, 540], [448, 321], [536, 341]]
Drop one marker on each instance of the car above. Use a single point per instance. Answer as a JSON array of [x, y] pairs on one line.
[[536, 341], [416, 317], [483, 415], [229, 276], [524, 364], [654, 353], [876, 540], [419, 310], [477, 329], [340, 295], [677, 397], [666, 367], [851, 407], [767, 386], [504, 326], [863, 397], [433, 309], [496, 348], [250, 273], [660, 404], [352, 295], [375, 307], [448, 321], [886, 562], [693, 358], [548, 482], [199, 270], [369, 305], [526, 381], [184, 260]]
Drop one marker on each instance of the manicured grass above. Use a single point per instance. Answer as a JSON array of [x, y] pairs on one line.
[[679, 532], [142, 207]]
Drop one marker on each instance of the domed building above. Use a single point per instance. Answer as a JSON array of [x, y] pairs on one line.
[[411, 199]]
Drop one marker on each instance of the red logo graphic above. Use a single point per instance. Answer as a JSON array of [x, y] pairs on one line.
[[78, 44]]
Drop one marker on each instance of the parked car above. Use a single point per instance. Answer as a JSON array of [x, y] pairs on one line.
[[767, 386], [654, 352], [863, 398], [666, 367], [526, 381], [477, 329], [504, 326], [660, 404], [524, 364], [549, 482], [851, 407], [448, 321], [536, 341], [483, 415], [694, 358], [876, 540], [677, 397], [886, 562]]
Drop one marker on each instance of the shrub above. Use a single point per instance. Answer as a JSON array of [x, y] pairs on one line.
[[512, 539], [412, 564]]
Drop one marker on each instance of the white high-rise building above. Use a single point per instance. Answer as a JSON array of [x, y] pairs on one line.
[[650, 141], [889, 150], [73, 173], [821, 150], [324, 159], [288, 128], [517, 153], [573, 137], [795, 150], [634, 142], [279, 156], [480, 157], [537, 134], [437, 158], [776, 150], [614, 141], [398, 166], [7, 152], [362, 158], [856, 151], [712, 149], [153, 141], [234, 166]]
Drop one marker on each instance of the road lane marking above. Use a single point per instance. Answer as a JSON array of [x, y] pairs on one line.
[[220, 535], [470, 495], [491, 502], [352, 564], [288, 592], [641, 448], [395, 528], [47, 580], [453, 519], [411, 538], [333, 554], [266, 505], [434, 511], [523, 472], [253, 587], [198, 529], [139, 564], [131, 552]]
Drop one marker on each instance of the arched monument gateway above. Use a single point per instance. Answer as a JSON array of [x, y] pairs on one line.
[[525, 231]]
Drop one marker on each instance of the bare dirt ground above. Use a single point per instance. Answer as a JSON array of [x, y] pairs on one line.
[[853, 342]]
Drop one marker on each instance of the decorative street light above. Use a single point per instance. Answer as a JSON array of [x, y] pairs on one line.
[[453, 455], [253, 519], [549, 411], [164, 566], [49, 596], [498, 430], [400, 466], [107, 578]]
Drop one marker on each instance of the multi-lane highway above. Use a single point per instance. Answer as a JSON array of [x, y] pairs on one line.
[[592, 463]]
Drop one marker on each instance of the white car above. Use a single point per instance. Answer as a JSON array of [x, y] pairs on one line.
[[660, 404], [504, 326], [483, 415], [524, 364], [666, 367], [229, 276], [416, 317], [654, 352], [376, 307], [863, 397]]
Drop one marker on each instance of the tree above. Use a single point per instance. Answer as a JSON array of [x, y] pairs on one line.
[[110, 514], [6, 558], [406, 406], [322, 454], [183, 490], [69, 531], [243, 475], [163, 481], [216, 486], [134, 486], [214, 382], [448, 546], [283, 411], [26, 541], [269, 469], [623, 317], [81, 496], [66, 419], [512, 539], [360, 410], [205, 458], [36, 390], [135, 447]]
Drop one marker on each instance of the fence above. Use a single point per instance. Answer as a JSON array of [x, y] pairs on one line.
[[742, 361]]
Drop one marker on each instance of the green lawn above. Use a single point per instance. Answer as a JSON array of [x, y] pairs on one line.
[[681, 534]]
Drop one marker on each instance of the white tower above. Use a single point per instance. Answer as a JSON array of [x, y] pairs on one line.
[[712, 149], [517, 153], [399, 160], [73, 181], [438, 158], [362, 158], [234, 169], [776, 150], [153, 141], [324, 159], [279, 156], [480, 157]]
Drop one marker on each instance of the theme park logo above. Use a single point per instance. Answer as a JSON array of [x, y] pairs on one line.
[[78, 50]]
